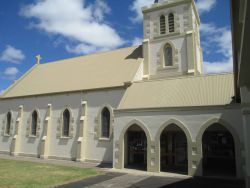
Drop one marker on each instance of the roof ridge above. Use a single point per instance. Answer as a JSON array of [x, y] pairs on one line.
[[87, 55]]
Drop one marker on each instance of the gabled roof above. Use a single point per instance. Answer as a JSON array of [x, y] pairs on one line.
[[95, 71], [207, 90]]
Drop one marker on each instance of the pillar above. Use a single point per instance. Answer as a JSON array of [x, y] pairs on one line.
[[81, 142], [146, 56], [246, 131], [47, 133], [16, 142]]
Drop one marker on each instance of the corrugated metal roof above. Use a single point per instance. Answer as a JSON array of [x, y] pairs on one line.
[[204, 90], [101, 70]]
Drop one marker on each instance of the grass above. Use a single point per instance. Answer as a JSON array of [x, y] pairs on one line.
[[22, 174]]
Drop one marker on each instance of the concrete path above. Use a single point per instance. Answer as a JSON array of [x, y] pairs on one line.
[[121, 180]]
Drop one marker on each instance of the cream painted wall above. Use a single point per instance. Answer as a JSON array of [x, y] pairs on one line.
[[63, 148], [192, 119], [179, 43]]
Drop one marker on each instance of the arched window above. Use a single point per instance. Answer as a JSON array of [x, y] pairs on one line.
[[162, 25], [8, 123], [105, 123], [34, 123], [168, 55], [66, 121], [171, 22]]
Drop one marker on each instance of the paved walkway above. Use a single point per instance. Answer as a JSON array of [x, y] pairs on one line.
[[133, 178], [121, 180]]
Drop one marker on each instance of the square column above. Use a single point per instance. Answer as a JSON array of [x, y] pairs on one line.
[[47, 134], [16, 142], [246, 131]]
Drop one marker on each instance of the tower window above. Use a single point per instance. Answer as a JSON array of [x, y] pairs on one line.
[[66, 121], [171, 22], [34, 123], [162, 25], [168, 55]]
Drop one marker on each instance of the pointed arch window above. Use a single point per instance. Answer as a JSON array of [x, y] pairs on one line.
[[171, 24], [34, 123], [105, 120], [8, 124], [162, 25], [168, 55], [66, 122]]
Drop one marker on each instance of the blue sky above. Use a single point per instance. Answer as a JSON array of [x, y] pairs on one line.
[[59, 29]]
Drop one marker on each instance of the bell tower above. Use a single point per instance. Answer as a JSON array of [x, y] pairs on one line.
[[171, 45]]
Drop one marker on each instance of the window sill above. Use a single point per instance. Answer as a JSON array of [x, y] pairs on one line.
[[32, 136], [104, 139], [168, 67], [6, 135], [167, 35], [65, 137]]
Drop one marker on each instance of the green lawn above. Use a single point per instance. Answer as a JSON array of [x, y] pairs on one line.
[[27, 174]]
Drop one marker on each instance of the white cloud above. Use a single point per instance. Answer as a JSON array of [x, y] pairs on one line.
[[83, 25], [12, 55], [136, 8], [218, 67], [84, 49], [1, 91], [205, 5], [100, 9], [202, 6], [137, 41], [10, 73], [219, 41]]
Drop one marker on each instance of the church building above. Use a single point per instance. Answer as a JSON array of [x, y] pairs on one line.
[[147, 107]]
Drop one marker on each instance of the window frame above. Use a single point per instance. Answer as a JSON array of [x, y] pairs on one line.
[[108, 123], [63, 135], [32, 123], [98, 120], [172, 27], [167, 45], [162, 25], [8, 124], [29, 122]]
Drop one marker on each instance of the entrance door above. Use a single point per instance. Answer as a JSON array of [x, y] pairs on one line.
[[136, 149], [218, 152], [174, 150]]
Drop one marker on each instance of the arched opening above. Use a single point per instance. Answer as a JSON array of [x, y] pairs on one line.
[[173, 150], [171, 22], [105, 123], [66, 121], [168, 55], [218, 152], [135, 148], [7, 129], [34, 123], [162, 25]]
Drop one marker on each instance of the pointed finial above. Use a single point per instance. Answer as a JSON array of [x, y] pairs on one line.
[[38, 59]]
